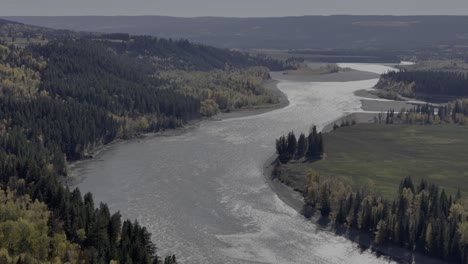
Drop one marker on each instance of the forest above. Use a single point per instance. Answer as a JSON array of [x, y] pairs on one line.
[[168, 54], [224, 91], [220, 79], [426, 82], [422, 218], [61, 99], [42, 128]]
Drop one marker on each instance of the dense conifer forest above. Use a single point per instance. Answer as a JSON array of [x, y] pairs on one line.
[[423, 83], [62, 97], [168, 54], [42, 127], [422, 218]]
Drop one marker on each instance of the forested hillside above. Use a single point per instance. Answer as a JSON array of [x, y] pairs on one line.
[[226, 90], [168, 54], [62, 97], [40, 130], [222, 80]]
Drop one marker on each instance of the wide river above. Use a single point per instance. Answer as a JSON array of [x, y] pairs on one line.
[[202, 193]]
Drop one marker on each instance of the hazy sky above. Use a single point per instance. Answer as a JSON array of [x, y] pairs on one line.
[[233, 8]]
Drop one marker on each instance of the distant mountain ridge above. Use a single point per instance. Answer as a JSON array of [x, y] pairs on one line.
[[306, 32]]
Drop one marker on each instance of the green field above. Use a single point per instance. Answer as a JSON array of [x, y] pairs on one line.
[[382, 155]]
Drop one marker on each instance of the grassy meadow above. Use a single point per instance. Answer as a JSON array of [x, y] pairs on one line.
[[380, 156]]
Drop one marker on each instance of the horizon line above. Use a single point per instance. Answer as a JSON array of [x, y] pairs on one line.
[[238, 17]]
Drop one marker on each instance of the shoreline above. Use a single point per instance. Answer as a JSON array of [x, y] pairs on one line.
[[295, 199], [363, 239], [72, 179]]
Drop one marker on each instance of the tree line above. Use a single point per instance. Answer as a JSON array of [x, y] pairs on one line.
[[429, 82], [421, 218], [224, 90], [310, 147], [455, 112], [344, 123]]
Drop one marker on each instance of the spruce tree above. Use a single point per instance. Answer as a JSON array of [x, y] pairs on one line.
[[292, 145], [301, 146]]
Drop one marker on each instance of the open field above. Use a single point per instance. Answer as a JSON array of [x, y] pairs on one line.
[[380, 156]]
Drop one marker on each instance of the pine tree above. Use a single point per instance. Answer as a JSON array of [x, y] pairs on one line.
[[312, 147], [341, 215], [325, 206], [301, 146], [282, 149], [320, 148], [292, 144], [429, 239], [381, 233]]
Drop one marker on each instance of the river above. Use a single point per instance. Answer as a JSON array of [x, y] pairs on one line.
[[202, 193]]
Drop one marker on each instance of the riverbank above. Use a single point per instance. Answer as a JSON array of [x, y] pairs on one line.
[[370, 106], [388, 148], [73, 179], [288, 194], [293, 197]]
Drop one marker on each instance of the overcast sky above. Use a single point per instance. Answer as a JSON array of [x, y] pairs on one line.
[[232, 8]]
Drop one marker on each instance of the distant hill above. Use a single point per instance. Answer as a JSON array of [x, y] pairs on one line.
[[24, 34], [307, 32]]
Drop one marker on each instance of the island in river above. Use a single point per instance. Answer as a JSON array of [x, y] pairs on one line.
[[214, 207]]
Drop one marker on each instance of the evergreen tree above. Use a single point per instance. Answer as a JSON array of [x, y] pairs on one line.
[[325, 206], [292, 145], [301, 146]]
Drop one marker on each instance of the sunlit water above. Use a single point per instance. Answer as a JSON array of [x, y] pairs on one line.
[[202, 193]]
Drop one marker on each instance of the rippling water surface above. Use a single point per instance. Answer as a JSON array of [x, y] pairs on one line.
[[202, 193]]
